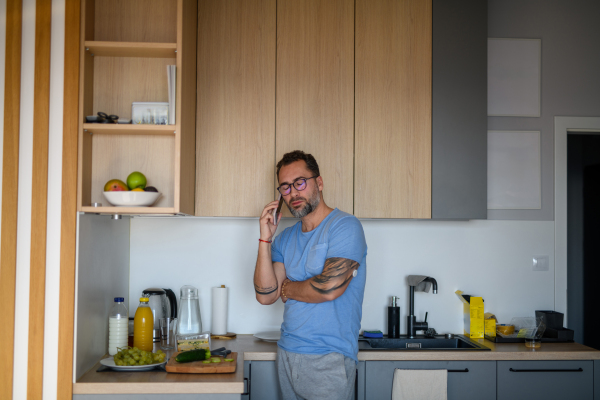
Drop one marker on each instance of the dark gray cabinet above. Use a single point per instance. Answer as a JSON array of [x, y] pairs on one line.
[[545, 380], [262, 380], [459, 110], [466, 379]]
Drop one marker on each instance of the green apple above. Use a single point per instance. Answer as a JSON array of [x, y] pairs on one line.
[[115, 185], [136, 180]]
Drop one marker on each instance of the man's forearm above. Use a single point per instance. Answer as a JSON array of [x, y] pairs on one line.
[[329, 285], [265, 280]]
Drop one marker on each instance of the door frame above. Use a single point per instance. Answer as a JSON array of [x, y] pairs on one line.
[[562, 127]]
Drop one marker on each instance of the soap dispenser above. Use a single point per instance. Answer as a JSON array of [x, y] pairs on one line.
[[393, 331]]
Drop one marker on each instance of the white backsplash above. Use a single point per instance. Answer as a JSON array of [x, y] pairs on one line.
[[492, 259]]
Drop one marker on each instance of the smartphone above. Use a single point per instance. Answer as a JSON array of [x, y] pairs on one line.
[[278, 209]]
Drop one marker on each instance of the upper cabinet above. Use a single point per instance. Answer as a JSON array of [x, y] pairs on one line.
[[393, 109], [272, 77], [315, 90], [235, 153], [126, 47], [459, 115]]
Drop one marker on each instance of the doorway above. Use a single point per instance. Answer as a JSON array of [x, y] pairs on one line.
[[583, 235], [571, 301]]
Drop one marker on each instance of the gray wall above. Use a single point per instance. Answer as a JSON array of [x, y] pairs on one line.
[[570, 35]]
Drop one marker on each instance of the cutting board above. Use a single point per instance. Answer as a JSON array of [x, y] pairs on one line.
[[198, 367]]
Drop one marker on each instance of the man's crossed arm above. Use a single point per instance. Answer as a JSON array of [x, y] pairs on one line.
[[328, 285]]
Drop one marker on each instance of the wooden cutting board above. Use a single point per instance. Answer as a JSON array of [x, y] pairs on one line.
[[198, 367]]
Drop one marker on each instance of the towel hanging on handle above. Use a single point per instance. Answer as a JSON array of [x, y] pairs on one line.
[[420, 384]]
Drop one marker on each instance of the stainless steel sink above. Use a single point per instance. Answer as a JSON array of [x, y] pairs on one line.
[[458, 343]]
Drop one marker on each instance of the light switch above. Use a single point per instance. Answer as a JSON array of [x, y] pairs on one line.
[[541, 263]]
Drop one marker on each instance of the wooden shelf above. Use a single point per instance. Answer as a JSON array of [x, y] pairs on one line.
[[130, 129], [128, 210], [131, 49]]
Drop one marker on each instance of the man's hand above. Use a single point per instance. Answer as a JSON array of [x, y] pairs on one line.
[[267, 223], [327, 286]]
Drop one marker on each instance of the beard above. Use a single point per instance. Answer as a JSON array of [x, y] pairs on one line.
[[310, 206]]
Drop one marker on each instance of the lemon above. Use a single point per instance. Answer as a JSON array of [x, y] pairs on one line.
[[137, 190]]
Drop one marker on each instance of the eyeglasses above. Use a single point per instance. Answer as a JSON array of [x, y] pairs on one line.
[[299, 184]]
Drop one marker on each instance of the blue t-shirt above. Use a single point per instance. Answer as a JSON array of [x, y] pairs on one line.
[[331, 326]]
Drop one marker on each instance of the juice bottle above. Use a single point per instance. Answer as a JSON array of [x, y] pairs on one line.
[[143, 326]]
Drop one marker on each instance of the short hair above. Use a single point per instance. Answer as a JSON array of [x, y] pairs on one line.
[[299, 155]]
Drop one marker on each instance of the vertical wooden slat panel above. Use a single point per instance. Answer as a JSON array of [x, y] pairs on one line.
[[393, 109], [69, 201], [39, 198], [315, 90], [10, 175]]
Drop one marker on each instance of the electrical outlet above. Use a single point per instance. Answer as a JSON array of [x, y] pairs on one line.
[[541, 263]]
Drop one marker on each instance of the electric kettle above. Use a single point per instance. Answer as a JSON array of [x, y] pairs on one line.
[[163, 304]]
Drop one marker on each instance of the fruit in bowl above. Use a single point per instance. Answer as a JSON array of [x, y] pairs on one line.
[[136, 180], [134, 193], [115, 185], [132, 198]]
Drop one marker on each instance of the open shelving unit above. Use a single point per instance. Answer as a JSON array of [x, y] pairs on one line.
[[126, 46]]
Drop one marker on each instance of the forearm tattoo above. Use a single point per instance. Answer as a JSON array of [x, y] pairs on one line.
[[336, 274], [265, 290]]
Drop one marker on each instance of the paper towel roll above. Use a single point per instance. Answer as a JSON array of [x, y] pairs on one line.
[[219, 310]]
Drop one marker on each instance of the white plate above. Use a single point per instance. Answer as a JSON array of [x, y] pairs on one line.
[[110, 363], [270, 336], [131, 199]]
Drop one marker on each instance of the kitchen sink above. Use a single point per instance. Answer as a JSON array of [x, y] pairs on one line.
[[457, 343]]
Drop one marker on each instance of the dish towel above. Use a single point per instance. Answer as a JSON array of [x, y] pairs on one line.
[[420, 384]]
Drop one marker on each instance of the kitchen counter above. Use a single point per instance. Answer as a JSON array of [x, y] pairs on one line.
[[252, 349]]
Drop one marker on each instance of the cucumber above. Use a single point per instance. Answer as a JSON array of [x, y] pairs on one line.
[[192, 355]]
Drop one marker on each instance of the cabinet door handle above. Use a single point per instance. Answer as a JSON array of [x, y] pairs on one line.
[[247, 392], [546, 370], [459, 370]]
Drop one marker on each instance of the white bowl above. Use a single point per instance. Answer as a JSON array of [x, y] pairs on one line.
[[131, 199]]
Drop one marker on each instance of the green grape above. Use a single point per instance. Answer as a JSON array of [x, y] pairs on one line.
[[134, 356]]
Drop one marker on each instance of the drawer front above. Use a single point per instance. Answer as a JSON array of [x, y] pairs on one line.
[[466, 379], [545, 380]]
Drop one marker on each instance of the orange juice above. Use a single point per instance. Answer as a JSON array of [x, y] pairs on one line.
[[143, 326]]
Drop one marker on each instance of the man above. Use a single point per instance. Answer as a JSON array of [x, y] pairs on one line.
[[318, 269]]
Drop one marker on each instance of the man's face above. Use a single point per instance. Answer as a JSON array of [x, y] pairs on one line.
[[300, 203]]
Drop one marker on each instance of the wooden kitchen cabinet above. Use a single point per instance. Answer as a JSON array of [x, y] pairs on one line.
[[125, 48], [315, 90], [466, 379], [546, 380], [235, 138], [393, 109]]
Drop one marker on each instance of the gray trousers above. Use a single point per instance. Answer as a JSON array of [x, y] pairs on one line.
[[313, 377]]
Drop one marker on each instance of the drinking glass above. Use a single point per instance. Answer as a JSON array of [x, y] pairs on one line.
[[168, 330]]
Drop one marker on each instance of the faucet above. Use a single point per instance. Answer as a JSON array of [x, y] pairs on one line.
[[412, 325]]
